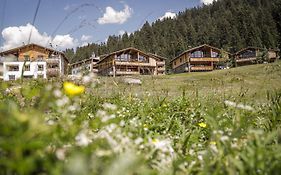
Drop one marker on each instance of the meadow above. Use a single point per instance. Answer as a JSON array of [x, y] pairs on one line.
[[220, 122]]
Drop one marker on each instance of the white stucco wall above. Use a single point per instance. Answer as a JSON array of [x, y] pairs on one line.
[[33, 72]]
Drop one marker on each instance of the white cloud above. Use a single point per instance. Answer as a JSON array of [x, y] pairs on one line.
[[86, 37], [168, 15], [112, 16], [64, 41], [207, 2], [16, 36]]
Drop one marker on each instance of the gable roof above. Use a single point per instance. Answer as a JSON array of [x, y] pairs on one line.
[[198, 47], [256, 48], [128, 50], [11, 51]]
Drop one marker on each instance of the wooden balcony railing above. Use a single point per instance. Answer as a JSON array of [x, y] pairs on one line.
[[202, 68], [127, 73], [160, 63], [161, 69], [133, 63], [205, 59], [53, 61], [53, 71], [245, 59]]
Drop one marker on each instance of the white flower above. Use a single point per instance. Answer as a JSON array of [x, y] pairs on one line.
[[60, 153], [122, 123], [50, 122], [82, 139], [224, 138], [138, 140], [86, 79], [62, 101], [57, 93], [239, 106], [109, 106]]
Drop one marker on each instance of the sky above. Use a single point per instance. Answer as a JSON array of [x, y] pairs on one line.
[[65, 24]]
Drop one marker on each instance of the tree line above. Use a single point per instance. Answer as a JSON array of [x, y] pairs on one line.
[[227, 24]]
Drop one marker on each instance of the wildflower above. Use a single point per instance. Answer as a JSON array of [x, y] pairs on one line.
[[239, 106], [82, 139], [72, 89], [202, 125], [60, 153], [138, 141], [57, 93], [109, 106], [213, 143], [224, 138]]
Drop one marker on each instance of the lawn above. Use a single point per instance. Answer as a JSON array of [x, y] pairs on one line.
[[220, 122]]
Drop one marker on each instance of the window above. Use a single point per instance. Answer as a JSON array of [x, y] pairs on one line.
[[40, 67], [54, 66], [27, 68], [12, 77], [215, 55], [197, 54], [124, 57], [180, 60], [248, 54], [175, 63], [13, 68], [26, 58], [40, 57]]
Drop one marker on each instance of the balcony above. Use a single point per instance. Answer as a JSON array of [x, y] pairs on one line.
[[53, 61], [202, 68], [53, 71], [127, 73], [207, 59], [119, 63], [95, 70], [160, 63], [161, 69], [245, 59]]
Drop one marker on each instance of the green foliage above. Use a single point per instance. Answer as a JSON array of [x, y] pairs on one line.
[[44, 131]]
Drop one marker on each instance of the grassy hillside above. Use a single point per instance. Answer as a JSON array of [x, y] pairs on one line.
[[251, 82], [221, 122]]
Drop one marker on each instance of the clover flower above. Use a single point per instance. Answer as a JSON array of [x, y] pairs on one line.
[[72, 89]]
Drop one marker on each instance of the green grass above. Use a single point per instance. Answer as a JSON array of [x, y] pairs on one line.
[[251, 82], [220, 122]]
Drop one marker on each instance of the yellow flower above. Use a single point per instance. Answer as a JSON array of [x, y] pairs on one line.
[[72, 89], [202, 125], [213, 143]]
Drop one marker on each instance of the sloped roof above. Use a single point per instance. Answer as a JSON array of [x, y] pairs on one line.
[[256, 48], [129, 49], [198, 47], [10, 51]]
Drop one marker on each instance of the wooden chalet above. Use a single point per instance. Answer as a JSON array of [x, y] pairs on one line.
[[84, 66], [251, 55], [131, 61], [201, 58], [57, 63]]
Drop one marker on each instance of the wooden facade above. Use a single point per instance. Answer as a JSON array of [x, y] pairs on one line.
[[131, 61], [57, 63], [201, 58], [252, 55], [84, 66]]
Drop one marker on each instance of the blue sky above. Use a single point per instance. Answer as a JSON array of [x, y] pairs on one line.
[[82, 20]]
